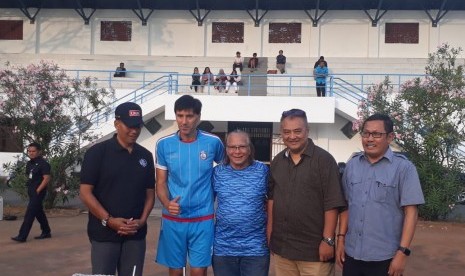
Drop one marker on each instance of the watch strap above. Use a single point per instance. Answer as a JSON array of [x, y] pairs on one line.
[[404, 250], [329, 241]]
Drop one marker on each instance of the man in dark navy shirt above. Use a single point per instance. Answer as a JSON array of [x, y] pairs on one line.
[[117, 185], [38, 173]]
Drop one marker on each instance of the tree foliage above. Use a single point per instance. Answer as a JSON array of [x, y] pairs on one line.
[[429, 122], [44, 105]]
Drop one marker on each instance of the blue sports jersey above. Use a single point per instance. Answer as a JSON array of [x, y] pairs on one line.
[[240, 228], [190, 168]]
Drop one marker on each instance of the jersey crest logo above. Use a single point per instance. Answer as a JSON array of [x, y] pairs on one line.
[[203, 155], [143, 162]]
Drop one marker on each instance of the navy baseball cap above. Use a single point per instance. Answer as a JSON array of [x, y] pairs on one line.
[[130, 114]]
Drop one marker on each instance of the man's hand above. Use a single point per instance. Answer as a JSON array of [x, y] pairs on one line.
[[124, 227], [173, 206], [340, 251], [326, 252], [397, 266]]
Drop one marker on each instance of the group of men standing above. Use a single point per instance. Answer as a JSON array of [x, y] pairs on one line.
[[291, 209]]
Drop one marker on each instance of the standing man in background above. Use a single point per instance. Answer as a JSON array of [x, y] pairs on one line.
[[304, 199], [117, 185], [38, 173], [383, 190], [321, 73], [184, 168]]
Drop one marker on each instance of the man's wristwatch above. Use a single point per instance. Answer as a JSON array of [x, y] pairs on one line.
[[105, 221], [329, 241], [404, 250]]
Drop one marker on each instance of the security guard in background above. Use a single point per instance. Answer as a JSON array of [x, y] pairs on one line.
[[38, 174]]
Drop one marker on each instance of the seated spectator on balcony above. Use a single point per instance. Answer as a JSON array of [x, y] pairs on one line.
[[281, 62], [253, 62], [207, 78], [320, 73], [238, 60], [195, 79], [233, 80], [120, 71], [322, 58], [220, 80]]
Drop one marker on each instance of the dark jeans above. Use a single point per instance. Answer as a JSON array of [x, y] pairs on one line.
[[354, 267], [107, 257], [321, 89], [241, 266], [195, 84], [237, 66], [34, 210]]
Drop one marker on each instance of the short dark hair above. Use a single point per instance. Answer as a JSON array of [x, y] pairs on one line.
[[35, 145], [388, 123], [294, 113], [188, 102], [251, 157]]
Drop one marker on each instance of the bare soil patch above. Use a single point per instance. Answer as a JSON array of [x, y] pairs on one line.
[[19, 211]]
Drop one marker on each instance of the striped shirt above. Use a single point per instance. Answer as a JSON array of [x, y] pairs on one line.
[[240, 228]]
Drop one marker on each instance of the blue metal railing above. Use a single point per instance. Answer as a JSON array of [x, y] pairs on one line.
[[144, 93], [346, 90]]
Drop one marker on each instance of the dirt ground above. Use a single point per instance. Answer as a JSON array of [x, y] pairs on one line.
[[437, 249]]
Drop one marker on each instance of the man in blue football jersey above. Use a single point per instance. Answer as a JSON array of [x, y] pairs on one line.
[[184, 167]]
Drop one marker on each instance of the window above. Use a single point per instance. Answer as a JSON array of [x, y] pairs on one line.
[[285, 33], [227, 32], [11, 29], [116, 31], [407, 33]]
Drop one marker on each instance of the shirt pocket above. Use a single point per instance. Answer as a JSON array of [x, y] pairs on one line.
[[355, 188], [383, 189]]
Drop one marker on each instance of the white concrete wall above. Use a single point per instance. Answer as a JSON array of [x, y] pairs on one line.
[[175, 33]]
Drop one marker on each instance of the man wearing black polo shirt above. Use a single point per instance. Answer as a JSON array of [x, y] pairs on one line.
[[38, 173], [117, 185]]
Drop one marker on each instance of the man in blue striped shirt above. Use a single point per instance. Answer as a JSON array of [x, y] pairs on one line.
[[240, 187]]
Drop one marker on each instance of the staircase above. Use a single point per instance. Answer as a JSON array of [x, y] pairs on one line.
[[257, 77]]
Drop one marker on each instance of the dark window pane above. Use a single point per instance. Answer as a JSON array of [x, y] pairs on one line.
[[115, 31], [402, 33], [11, 29], [227, 32], [285, 33]]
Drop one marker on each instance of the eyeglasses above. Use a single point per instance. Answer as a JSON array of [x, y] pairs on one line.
[[239, 148], [294, 112], [366, 134]]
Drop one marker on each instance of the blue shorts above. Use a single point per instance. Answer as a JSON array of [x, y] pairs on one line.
[[179, 240]]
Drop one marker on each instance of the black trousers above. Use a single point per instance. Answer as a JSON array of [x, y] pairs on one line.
[[237, 66], [34, 210], [354, 267], [321, 89], [109, 257]]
